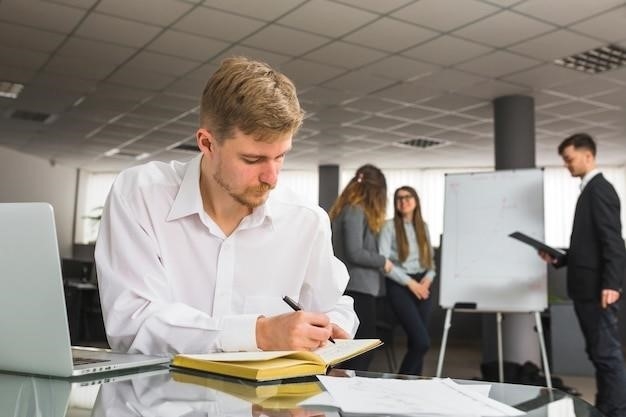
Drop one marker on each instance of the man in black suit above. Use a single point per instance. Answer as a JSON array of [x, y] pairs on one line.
[[596, 263]]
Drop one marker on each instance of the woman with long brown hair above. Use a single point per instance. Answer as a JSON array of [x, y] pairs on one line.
[[357, 217], [405, 241]]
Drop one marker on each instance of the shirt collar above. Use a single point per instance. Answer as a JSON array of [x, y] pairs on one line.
[[587, 177], [188, 200]]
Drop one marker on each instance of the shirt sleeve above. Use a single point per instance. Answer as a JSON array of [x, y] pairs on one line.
[[326, 278], [385, 240], [138, 307], [432, 272]]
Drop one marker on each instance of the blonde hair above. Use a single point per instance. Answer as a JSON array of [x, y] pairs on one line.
[[250, 96], [425, 250], [367, 189]]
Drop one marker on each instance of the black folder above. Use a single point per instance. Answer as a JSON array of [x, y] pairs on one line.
[[540, 246]]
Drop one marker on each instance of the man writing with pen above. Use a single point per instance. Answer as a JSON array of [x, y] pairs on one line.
[[196, 257]]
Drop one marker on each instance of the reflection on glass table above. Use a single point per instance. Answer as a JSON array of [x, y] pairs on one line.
[[164, 393]]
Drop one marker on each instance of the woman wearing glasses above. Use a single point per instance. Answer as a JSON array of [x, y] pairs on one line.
[[405, 241]]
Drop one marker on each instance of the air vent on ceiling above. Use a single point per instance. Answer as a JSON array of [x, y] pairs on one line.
[[596, 60], [32, 116], [186, 147], [422, 143]]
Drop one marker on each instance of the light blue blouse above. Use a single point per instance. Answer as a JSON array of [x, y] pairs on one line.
[[388, 248]]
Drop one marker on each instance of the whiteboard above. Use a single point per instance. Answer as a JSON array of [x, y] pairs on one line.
[[481, 267]]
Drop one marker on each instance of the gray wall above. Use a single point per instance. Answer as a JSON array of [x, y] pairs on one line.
[[24, 178]]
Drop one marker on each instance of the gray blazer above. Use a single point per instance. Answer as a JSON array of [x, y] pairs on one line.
[[356, 245]]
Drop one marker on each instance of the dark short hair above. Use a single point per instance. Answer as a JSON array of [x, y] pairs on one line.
[[579, 140]]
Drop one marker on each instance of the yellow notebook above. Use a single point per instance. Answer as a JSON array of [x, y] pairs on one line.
[[271, 365], [267, 395]]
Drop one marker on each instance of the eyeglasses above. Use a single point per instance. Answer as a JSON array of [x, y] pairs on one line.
[[404, 198]]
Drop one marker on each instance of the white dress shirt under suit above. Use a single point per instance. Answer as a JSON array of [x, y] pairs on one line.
[[170, 280]]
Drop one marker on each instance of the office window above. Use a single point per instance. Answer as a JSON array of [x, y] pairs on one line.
[[303, 182]]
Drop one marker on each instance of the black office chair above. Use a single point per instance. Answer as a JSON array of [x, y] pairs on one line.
[[385, 325]]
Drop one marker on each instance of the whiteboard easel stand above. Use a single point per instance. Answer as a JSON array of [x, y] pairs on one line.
[[542, 345]]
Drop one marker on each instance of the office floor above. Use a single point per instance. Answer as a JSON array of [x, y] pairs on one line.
[[462, 360]]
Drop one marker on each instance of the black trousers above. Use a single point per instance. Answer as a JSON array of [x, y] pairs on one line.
[[602, 344], [365, 308], [413, 315]]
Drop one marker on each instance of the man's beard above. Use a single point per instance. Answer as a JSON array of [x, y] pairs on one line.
[[245, 198]]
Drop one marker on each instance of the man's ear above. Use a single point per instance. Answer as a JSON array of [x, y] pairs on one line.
[[205, 141]]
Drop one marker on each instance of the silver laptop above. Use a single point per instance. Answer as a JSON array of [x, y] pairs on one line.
[[34, 333]]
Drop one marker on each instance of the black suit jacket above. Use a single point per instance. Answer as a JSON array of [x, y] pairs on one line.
[[596, 258]]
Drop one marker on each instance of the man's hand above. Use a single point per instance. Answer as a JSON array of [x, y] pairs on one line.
[[300, 330], [609, 297], [339, 333]]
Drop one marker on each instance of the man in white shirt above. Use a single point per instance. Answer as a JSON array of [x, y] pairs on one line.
[[196, 257]]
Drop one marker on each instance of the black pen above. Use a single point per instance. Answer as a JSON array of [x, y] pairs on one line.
[[297, 307]]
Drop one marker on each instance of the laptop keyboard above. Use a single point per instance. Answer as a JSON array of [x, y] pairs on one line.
[[85, 361]]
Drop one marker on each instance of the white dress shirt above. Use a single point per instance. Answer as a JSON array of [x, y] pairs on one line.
[[170, 281]]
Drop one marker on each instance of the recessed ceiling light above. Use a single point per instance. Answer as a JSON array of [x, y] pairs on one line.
[[9, 89], [595, 61], [112, 152]]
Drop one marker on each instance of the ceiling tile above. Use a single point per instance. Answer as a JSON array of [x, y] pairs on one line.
[[217, 24], [571, 108], [344, 55], [557, 44], [42, 15], [23, 58], [607, 26], [396, 67], [496, 30], [376, 6], [450, 102], [358, 82], [141, 78], [155, 12], [80, 67], [326, 18], [437, 14], [370, 104], [379, 122], [165, 64], [324, 96], [284, 40], [412, 113], [17, 36], [545, 76], [275, 60], [408, 92], [306, 73], [616, 98], [617, 75], [16, 75], [116, 30], [390, 35], [587, 87], [447, 50], [94, 50], [187, 46], [563, 13], [266, 10], [449, 80], [498, 64], [492, 89]]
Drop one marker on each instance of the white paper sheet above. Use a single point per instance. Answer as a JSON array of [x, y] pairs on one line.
[[409, 397]]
